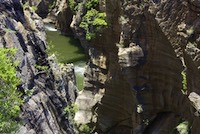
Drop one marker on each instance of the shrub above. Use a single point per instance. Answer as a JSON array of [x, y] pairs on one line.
[[183, 128], [42, 68], [184, 82], [91, 4], [72, 5], [93, 22], [72, 109], [34, 8], [84, 128], [10, 100]]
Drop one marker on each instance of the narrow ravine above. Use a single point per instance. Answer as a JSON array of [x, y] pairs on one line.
[[68, 50]]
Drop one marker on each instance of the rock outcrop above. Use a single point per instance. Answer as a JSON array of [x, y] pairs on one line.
[[42, 7], [63, 15], [47, 88], [185, 36], [57, 12], [133, 79]]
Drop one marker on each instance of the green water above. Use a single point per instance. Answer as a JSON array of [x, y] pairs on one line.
[[67, 50]]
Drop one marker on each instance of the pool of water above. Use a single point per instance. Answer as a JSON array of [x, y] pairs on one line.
[[67, 50]]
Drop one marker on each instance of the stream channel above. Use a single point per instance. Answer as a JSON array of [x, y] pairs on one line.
[[67, 50]]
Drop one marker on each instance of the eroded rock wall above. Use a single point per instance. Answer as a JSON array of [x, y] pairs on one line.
[[184, 36], [133, 78], [47, 88]]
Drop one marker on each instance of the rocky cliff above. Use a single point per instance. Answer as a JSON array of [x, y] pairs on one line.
[[133, 80], [140, 65], [57, 12], [47, 88]]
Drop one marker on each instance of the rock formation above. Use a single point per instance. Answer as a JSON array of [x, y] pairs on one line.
[[57, 12], [46, 86], [63, 15], [43, 7], [185, 35], [133, 81]]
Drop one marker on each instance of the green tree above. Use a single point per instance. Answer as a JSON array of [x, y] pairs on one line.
[[93, 22], [72, 4], [10, 100]]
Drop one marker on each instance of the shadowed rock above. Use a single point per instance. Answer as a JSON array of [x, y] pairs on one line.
[[142, 85]]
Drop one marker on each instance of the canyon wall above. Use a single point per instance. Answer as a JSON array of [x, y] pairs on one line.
[[46, 87], [133, 80]]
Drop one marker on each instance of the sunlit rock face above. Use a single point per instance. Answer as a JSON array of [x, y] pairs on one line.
[[47, 88]]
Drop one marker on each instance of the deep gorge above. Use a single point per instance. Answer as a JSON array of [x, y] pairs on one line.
[[136, 63]]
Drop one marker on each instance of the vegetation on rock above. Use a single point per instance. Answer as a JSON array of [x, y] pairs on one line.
[[93, 22], [72, 4], [72, 109], [84, 128], [184, 82], [182, 128], [27, 6], [91, 4], [10, 100], [43, 68]]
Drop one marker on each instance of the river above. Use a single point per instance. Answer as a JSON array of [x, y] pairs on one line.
[[67, 50]]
